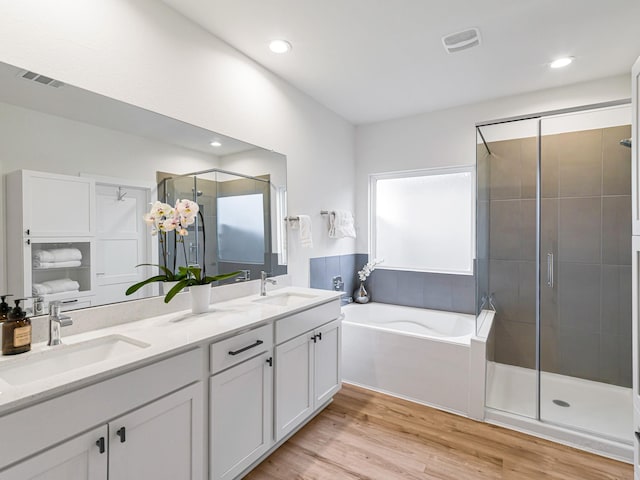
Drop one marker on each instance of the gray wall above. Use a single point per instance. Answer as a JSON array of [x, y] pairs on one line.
[[586, 224], [454, 293]]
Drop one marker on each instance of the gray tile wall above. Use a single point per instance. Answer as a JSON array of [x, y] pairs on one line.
[[455, 293], [323, 269], [586, 224]]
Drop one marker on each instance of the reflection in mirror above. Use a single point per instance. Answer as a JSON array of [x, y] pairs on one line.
[[55, 136]]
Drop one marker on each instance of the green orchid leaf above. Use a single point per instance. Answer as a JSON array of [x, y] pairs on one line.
[[167, 272], [222, 276], [175, 290], [135, 287]]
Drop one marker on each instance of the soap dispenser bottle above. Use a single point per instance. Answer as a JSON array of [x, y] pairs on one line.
[[4, 312], [16, 331]]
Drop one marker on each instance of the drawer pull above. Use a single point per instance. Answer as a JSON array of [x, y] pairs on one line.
[[244, 349], [70, 301], [270, 361], [100, 444]]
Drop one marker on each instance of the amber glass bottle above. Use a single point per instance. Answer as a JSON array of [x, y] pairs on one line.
[[16, 331]]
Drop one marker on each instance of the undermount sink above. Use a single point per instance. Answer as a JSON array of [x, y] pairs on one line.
[[285, 299], [62, 359]]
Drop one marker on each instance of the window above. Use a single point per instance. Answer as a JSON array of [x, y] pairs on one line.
[[423, 220], [241, 229]]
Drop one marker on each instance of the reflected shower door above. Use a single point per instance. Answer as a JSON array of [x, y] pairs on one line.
[[507, 176], [585, 267]]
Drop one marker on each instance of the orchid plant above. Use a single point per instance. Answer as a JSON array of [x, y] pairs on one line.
[[368, 268], [164, 219]]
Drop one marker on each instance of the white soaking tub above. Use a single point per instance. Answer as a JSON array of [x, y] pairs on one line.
[[414, 353]]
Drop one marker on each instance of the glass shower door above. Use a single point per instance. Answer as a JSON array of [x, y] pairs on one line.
[[585, 272], [506, 268]]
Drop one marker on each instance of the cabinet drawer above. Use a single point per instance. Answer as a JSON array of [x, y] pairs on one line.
[[290, 327], [238, 348]]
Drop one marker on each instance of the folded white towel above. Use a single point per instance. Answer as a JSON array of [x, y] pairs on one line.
[[72, 263], [306, 240], [56, 255], [62, 285], [341, 224]]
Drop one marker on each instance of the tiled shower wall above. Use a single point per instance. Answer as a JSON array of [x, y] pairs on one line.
[[586, 224], [454, 293]]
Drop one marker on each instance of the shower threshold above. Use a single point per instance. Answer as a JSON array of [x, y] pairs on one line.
[[590, 415]]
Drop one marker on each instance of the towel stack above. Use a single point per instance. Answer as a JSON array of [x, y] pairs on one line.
[[57, 258], [62, 285]]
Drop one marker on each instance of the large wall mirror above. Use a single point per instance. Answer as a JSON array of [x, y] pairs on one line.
[[80, 170]]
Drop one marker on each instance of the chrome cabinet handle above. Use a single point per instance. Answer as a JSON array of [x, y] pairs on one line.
[[550, 270]]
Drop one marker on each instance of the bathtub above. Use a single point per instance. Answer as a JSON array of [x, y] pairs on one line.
[[413, 353]]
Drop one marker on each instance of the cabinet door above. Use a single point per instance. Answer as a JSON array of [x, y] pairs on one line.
[[327, 373], [79, 459], [76, 194], [162, 441], [294, 383], [241, 416]]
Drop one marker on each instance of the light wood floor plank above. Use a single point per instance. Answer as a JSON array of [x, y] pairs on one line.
[[368, 435]]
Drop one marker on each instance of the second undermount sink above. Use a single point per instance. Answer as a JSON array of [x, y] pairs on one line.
[[62, 359], [286, 299]]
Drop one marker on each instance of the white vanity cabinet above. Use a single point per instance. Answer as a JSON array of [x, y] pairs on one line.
[[155, 441], [307, 364], [241, 396], [46, 212], [80, 458], [87, 433], [159, 441]]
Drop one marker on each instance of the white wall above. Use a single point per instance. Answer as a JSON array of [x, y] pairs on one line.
[[448, 137], [143, 53]]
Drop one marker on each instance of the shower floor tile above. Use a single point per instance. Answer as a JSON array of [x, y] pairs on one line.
[[593, 407]]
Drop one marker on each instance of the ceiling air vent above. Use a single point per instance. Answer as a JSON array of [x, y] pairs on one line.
[[456, 42], [36, 77]]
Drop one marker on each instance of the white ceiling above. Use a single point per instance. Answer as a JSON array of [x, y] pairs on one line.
[[372, 60]]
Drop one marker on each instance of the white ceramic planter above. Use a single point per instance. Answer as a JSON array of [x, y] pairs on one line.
[[200, 298]]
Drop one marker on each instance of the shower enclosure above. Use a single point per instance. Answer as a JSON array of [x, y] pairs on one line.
[[553, 260], [238, 228]]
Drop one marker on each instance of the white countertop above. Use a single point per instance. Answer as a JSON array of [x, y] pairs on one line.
[[166, 335]]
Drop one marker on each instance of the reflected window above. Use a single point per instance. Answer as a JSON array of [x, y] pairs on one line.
[[423, 220], [241, 229]]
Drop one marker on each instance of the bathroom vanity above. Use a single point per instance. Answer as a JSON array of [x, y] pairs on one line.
[[179, 396]]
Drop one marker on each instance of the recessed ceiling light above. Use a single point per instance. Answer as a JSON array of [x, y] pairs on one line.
[[215, 143], [561, 62], [279, 46]]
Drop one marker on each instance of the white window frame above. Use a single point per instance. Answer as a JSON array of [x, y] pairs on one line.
[[373, 179]]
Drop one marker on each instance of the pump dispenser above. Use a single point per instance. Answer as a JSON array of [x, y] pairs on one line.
[[4, 312], [16, 331]]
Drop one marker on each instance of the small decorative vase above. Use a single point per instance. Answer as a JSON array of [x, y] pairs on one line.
[[361, 295], [200, 297]]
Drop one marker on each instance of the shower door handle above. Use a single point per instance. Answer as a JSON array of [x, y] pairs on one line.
[[550, 270]]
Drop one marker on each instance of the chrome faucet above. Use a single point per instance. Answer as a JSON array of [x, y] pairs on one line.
[[56, 322], [244, 276], [263, 283]]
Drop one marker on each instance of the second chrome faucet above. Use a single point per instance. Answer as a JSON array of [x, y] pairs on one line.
[[263, 283]]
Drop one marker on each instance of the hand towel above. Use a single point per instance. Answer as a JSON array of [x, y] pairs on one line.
[[341, 224], [305, 231], [72, 263], [56, 255], [62, 285]]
